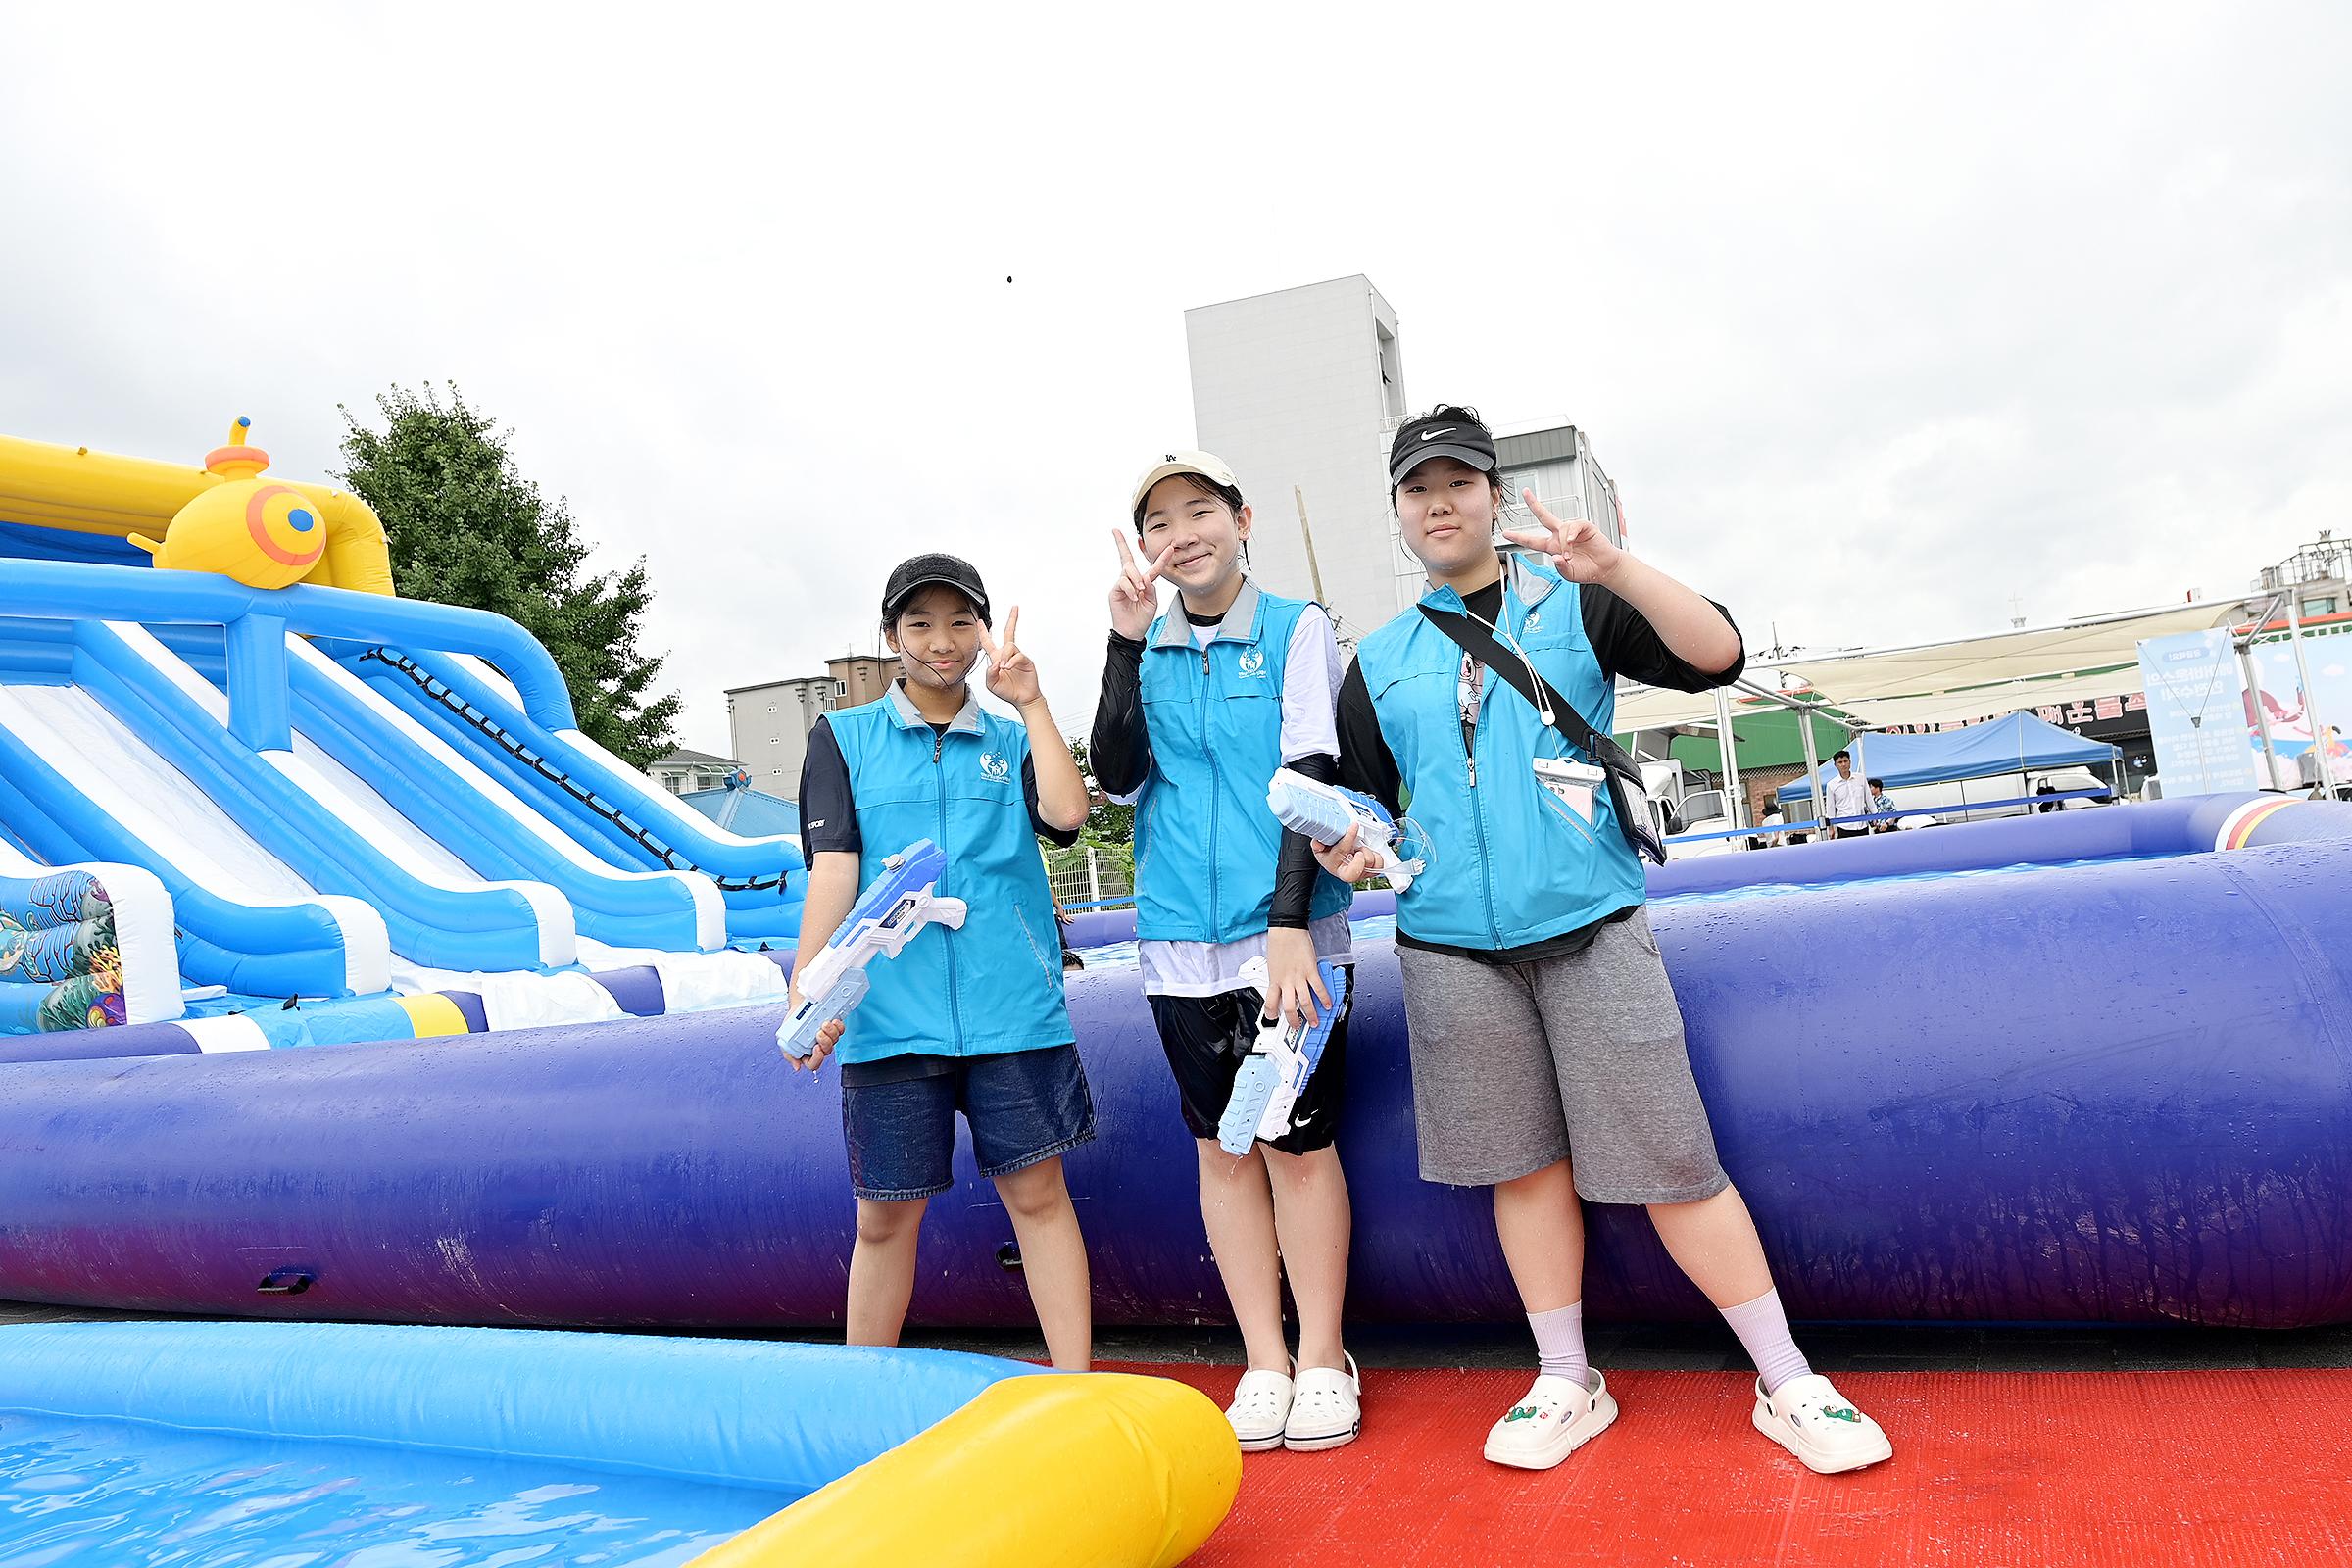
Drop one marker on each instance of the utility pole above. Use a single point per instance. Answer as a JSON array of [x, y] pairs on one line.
[[2311, 716], [2262, 715], [1314, 573], [1821, 811]]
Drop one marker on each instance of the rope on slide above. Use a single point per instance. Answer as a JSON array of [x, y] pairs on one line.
[[522, 752]]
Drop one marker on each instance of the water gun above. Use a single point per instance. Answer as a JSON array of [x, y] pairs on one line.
[[1325, 813], [1284, 1059], [894, 906]]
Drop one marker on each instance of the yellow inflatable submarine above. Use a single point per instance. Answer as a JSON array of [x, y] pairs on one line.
[[225, 518]]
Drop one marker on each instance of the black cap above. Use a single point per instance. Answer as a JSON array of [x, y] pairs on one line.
[[912, 576], [1428, 435]]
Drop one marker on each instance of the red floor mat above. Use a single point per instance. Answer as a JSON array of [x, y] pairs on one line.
[[2044, 1470]]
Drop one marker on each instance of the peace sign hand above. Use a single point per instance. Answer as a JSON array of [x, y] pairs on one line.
[[1012, 675], [1579, 551], [1135, 597]]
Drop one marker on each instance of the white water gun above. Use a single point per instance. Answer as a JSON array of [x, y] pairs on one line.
[[1325, 813], [894, 906], [1267, 1088]]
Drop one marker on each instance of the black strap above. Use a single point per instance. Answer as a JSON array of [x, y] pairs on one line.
[[1619, 768]]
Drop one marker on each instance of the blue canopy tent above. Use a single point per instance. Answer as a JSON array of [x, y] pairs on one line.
[[2017, 743], [740, 809]]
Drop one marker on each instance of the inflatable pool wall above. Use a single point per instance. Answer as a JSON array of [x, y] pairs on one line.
[[2107, 1093], [869, 1455]]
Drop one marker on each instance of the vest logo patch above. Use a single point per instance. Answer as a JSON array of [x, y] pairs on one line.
[[993, 767], [1252, 663], [1534, 621]]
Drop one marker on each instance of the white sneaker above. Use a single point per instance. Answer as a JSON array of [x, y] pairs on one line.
[[1550, 1421], [1261, 1408], [1326, 1410], [1812, 1420]]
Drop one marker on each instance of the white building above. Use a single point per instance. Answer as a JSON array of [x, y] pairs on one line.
[[769, 725], [685, 770], [1556, 462], [1293, 389], [1301, 390]]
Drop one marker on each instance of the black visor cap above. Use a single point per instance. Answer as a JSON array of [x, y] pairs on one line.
[[1421, 439], [912, 576]]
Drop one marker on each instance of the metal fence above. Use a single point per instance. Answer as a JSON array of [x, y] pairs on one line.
[[1087, 874]]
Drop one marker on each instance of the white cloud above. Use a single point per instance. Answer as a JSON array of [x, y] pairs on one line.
[[1880, 318]]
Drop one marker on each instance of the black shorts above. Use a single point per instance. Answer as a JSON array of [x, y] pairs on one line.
[[1207, 1038]]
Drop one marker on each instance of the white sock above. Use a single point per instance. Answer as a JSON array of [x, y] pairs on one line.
[[1763, 1328], [1560, 1341]]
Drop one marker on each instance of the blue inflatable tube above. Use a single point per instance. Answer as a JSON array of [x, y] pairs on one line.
[[263, 950], [614, 905], [624, 909], [757, 906], [2190, 825], [447, 927], [2098, 1094], [785, 1419], [292, 1443], [80, 591]]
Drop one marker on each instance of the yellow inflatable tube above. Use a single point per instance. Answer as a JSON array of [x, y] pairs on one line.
[[1098, 1471], [81, 491]]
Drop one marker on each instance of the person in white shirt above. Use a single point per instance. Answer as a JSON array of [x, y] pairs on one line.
[[2325, 767], [1847, 796]]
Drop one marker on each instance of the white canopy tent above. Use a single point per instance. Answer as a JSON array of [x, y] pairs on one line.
[[1980, 702], [1656, 708], [1852, 680], [1970, 678]]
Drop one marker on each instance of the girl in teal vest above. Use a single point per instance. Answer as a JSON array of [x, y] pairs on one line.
[[971, 1019], [1199, 708], [1547, 1052]]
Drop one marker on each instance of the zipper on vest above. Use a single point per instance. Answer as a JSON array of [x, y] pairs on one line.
[[1478, 820], [939, 745], [1216, 793]]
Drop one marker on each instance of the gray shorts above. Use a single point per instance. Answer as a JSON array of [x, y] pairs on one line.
[[1517, 1066]]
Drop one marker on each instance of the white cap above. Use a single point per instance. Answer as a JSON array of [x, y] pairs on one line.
[[1205, 464]]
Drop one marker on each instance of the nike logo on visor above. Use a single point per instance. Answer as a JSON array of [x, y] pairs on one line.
[[1432, 435]]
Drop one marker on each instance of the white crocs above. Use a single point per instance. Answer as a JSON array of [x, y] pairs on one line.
[[1550, 1421], [1812, 1420], [1261, 1408], [1327, 1409]]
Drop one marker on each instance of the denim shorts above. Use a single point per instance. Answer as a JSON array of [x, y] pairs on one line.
[[1022, 1106]]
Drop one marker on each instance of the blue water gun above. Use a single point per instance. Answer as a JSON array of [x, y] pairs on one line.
[[1324, 812], [1267, 1088], [894, 906]]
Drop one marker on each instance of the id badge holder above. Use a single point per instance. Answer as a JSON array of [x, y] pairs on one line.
[[1570, 783]]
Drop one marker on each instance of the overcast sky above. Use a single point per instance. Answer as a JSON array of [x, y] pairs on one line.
[[1877, 321]]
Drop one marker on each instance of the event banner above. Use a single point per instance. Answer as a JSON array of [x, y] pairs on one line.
[[2197, 712], [2301, 719]]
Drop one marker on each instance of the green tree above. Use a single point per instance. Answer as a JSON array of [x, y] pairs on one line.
[[1108, 822], [466, 528]]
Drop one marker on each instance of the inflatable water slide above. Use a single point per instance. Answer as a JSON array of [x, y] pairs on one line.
[[248, 788]]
